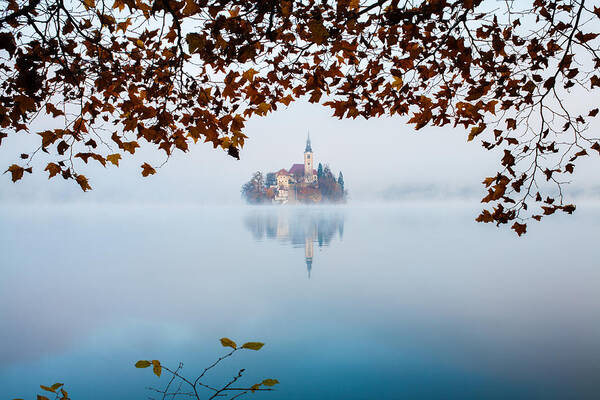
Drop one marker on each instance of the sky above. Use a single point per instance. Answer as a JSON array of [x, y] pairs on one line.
[[381, 159]]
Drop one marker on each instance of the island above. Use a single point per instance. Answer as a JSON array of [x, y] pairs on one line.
[[299, 184]]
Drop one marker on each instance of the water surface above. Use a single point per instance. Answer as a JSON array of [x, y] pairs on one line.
[[387, 302]]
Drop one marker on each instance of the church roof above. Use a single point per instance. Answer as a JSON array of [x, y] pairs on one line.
[[282, 171], [297, 169], [308, 146]]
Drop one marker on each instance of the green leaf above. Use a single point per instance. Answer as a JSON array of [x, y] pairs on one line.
[[253, 345], [228, 343], [143, 364], [270, 382]]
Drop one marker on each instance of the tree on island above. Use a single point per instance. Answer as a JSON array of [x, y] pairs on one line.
[[254, 191], [170, 73], [319, 171], [340, 181], [330, 189]]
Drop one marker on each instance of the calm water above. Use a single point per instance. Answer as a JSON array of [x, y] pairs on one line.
[[397, 302]]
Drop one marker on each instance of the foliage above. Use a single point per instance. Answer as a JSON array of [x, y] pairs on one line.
[[196, 385], [330, 189], [340, 181], [57, 389], [254, 191], [309, 194], [122, 72], [320, 171]]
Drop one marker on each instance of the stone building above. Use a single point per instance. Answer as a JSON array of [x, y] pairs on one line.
[[298, 176]]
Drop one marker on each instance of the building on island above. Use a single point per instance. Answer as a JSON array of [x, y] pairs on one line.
[[299, 184], [298, 177]]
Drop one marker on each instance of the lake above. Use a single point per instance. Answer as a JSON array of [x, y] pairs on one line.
[[354, 302]]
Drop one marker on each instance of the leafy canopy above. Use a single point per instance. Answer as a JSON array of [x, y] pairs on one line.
[[116, 74]]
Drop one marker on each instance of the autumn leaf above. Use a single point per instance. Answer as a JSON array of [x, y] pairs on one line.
[[249, 74], [319, 33], [129, 146], [397, 84], [147, 170], [53, 169], [48, 389], [254, 387], [233, 152], [519, 228], [51, 109], [476, 130], [195, 42], [83, 183], [17, 171], [225, 342], [143, 364], [156, 368], [287, 100], [585, 37], [114, 158], [7, 42], [253, 345], [270, 382]]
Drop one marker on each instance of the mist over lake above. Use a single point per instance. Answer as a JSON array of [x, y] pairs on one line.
[[396, 301]]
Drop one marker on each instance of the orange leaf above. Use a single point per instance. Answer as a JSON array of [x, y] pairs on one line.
[[83, 182], [147, 170]]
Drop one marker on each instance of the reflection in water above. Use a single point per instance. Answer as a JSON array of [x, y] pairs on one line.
[[299, 227], [414, 303]]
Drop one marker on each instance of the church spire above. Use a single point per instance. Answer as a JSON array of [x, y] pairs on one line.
[[308, 148]]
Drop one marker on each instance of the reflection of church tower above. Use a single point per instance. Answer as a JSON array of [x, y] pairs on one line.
[[308, 161], [308, 252]]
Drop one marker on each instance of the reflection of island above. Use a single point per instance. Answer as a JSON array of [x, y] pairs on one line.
[[298, 227]]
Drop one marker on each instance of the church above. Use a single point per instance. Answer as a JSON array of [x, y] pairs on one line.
[[299, 176]]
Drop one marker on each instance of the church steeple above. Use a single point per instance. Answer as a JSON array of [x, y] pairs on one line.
[[309, 177], [308, 148]]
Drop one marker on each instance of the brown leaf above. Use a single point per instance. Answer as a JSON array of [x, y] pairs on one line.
[[83, 182], [114, 158], [147, 170], [519, 228], [16, 172], [53, 169], [319, 33], [233, 152]]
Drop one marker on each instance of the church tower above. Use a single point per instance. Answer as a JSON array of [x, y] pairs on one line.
[[308, 161]]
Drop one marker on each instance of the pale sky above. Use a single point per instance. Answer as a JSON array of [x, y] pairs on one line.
[[373, 156]]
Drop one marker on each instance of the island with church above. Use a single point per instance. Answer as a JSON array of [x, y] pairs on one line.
[[301, 184]]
